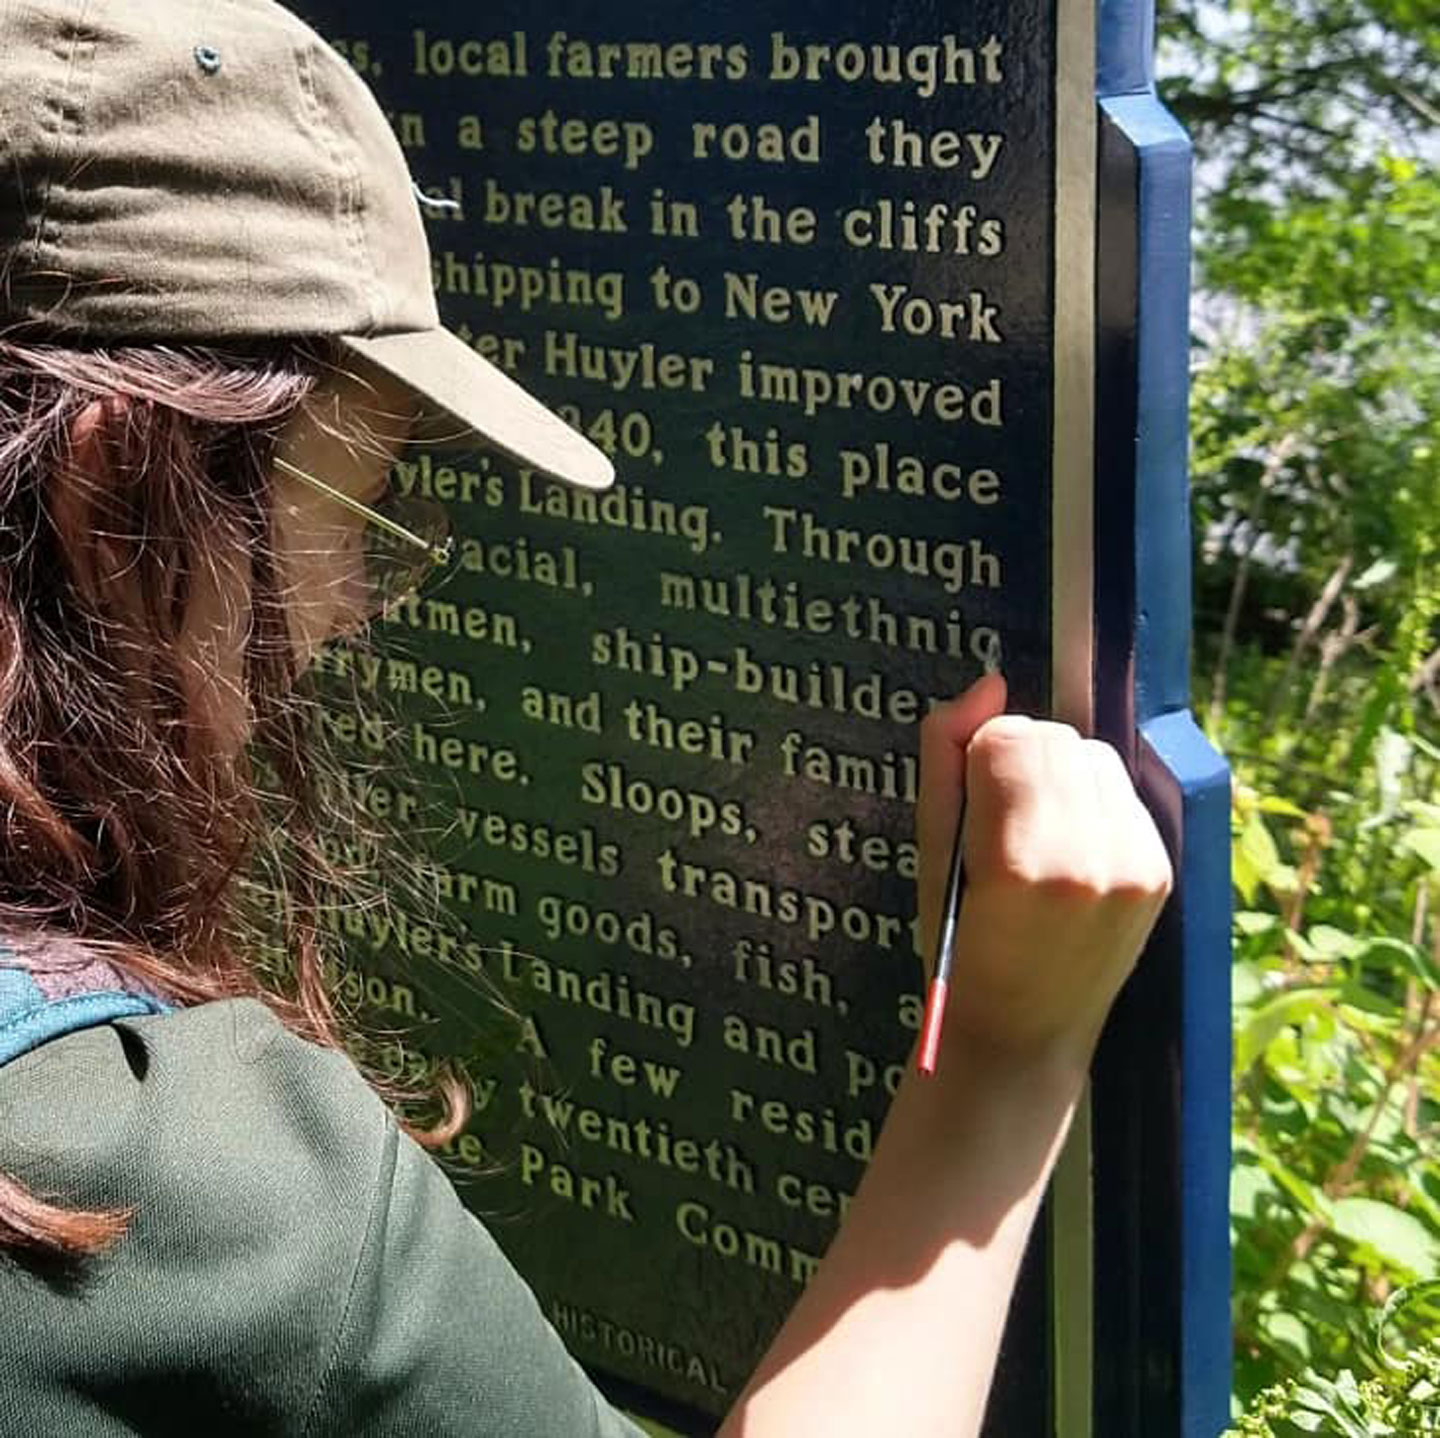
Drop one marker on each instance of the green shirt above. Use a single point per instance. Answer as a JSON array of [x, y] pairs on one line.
[[296, 1265]]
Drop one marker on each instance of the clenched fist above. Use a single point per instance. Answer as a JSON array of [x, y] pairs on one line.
[[1066, 875]]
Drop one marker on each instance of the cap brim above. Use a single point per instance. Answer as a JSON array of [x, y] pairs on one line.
[[471, 398]]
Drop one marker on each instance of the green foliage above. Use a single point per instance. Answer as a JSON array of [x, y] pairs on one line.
[[1403, 1400], [1335, 1196], [1400, 1406], [1316, 469], [1292, 96]]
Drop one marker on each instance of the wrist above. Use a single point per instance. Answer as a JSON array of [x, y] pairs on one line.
[[981, 1133], [1018, 1043], [1037, 1077]]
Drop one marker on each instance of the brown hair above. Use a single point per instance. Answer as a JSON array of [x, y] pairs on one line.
[[127, 822]]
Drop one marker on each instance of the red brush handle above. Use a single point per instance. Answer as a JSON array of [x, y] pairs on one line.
[[933, 1023]]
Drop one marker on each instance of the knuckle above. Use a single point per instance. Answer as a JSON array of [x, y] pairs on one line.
[[1002, 744], [1135, 891], [1148, 880], [1004, 729], [1060, 731], [1106, 760], [1063, 879], [1162, 879], [1075, 888], [1154, 858]]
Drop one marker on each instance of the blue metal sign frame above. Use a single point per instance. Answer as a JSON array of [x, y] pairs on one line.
[[1162, 1144]]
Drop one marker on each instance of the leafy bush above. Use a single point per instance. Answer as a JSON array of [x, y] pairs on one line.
[[1335, 1197], [1403, 1400], [1316, 467]]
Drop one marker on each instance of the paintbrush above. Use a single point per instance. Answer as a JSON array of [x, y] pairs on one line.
[[935, 1001]]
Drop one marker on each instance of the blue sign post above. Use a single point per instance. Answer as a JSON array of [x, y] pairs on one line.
[[1162, 1149], [883, 318]]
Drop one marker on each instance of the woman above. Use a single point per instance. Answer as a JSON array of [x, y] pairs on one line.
[[217, 328]]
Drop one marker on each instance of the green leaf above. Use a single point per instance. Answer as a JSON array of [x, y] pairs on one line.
[[1286, 1329], [1348, 1410], [1247, 1183], [1424, 842], [1377, 573], [1309, 1198], [1332, 943], [1396, 953], [1274, 804], [1293, 1007], [1393, 753], [1258, 845], [1398, 1237], [1414, 1297], [1359, 999], [1254, 921], [1301, 947], [1247, 985], [1256, 857]]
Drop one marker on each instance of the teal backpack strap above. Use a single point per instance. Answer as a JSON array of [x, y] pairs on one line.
[[29, 1016]]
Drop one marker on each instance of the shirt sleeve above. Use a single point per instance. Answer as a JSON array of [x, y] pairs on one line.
[[440, 1335]]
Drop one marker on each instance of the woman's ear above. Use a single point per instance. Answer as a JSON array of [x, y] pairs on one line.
[[168, 600], [82, 508], [87, 468]]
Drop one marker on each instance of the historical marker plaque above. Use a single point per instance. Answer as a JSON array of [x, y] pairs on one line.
[[825, 284]]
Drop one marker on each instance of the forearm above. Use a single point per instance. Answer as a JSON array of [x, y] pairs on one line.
[[899, 1329]]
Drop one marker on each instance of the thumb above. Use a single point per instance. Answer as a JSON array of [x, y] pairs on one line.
[[944, 736]]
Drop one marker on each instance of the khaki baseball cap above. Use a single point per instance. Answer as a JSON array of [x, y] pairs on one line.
[[198, 171]]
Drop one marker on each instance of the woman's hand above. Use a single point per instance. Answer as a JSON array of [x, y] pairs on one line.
[[898, 1330], [1065, 874]]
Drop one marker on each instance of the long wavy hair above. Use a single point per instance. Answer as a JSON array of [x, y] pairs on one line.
[[131, 825]]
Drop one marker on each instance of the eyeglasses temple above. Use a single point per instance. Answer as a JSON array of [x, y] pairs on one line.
[[439, 553]]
